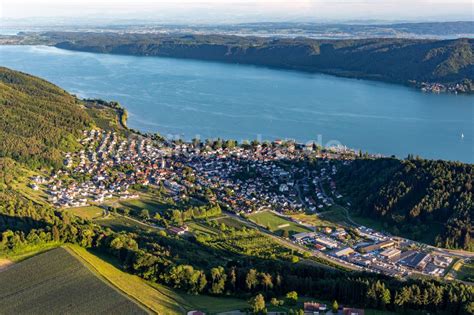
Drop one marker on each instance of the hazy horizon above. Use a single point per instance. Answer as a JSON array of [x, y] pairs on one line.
[[236, 11]]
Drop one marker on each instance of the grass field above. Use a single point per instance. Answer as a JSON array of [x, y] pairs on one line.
[[145, 202], [214, 305], [465, 272], [200, 228], [276, 223], [121, 223], [312, 219], [89, 213], [231, 222], [335, 214], [57, 281]]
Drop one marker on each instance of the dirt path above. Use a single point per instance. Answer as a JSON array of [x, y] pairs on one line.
[[5, 264]]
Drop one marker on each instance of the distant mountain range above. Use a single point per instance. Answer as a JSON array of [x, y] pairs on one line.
[[432, 64]]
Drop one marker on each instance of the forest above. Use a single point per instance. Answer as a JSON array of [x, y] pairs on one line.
[[413, 196], [405, 61], [38, 120]]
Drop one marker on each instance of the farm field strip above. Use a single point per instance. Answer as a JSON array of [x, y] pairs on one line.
[[57, 281], [132, 285]]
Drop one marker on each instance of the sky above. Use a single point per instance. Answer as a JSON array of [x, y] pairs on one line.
[[231, 11]]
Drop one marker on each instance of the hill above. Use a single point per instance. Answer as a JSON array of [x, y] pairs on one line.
[[58, 282], [38, 120], [405, 61], [415, 198]]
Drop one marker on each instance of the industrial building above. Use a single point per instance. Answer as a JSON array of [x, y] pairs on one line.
[[377, 246], [391, 253], [416, 260]]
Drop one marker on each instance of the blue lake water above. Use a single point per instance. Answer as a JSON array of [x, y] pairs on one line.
[[196, 98]]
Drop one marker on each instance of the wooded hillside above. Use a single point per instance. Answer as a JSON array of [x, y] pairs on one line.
[[395, 60], [415, 197], [38, 120]]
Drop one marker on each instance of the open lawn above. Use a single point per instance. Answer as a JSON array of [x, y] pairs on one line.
[[276, 223], [58, 282], [89, 213]]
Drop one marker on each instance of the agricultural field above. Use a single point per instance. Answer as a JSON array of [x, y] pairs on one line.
[[89, 212], [248, 242], [157, 298], [276, 224], [213, 226], [59, 282]]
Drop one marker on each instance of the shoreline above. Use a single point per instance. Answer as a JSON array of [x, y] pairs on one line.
[[426, 87], [237, 54]]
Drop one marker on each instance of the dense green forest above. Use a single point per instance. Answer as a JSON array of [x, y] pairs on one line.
[[395, 60], [196, 266], [415, 196], [38, 120]]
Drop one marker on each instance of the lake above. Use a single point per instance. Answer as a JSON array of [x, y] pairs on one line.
[[191, 98]]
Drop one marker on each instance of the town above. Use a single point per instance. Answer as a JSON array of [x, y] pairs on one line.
[[244, 180]]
